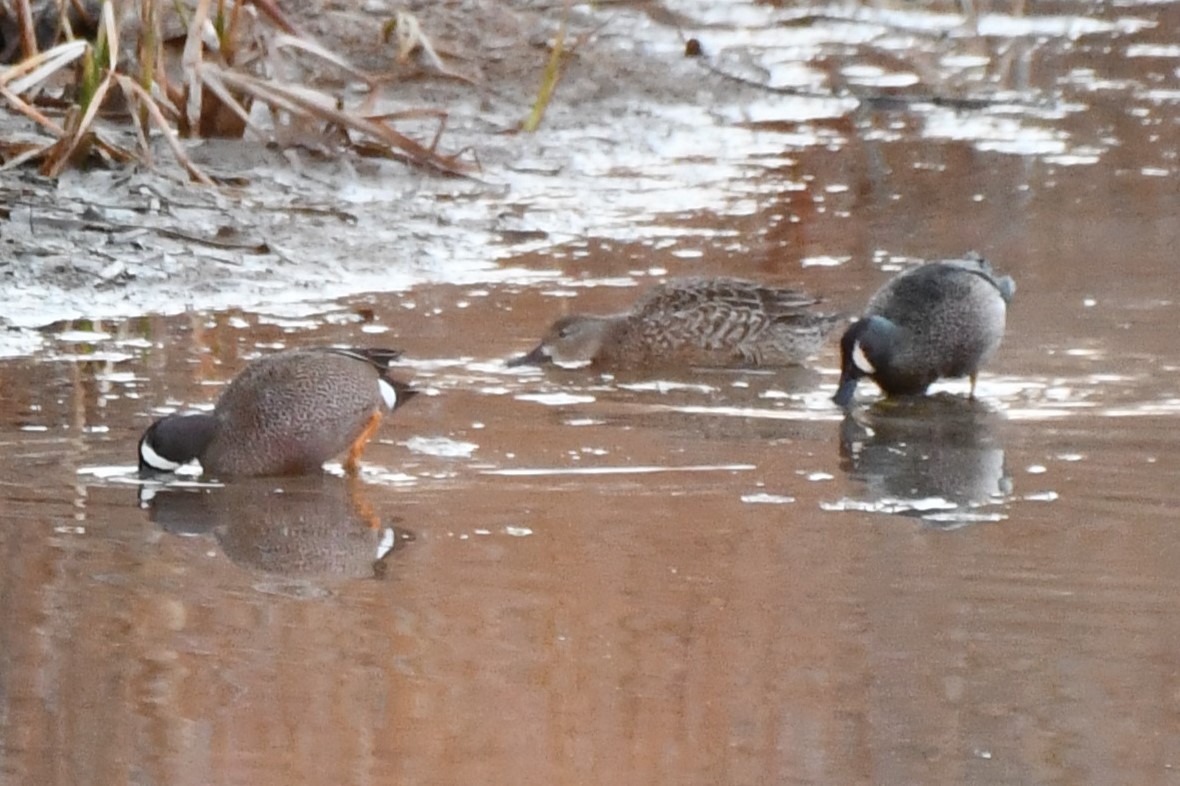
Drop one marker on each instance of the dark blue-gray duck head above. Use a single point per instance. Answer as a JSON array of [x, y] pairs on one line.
[[174, 441], [869, 344]]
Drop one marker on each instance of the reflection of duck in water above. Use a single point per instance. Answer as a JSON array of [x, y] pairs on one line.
[[310, 528], [704, 322], [943, 319], [936, 457], [285, 414]]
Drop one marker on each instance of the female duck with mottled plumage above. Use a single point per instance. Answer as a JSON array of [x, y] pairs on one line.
[[703, 322], [285, 414], [942, 319]]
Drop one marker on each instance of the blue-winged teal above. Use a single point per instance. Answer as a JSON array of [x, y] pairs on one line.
[[708, 322], [943, 319], [284, 414]]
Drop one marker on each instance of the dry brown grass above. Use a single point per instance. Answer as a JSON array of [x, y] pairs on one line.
[[83, 94]]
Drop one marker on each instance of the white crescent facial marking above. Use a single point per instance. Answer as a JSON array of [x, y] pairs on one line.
[[388, 392], [388, 541], [155, 460], [861, 360]]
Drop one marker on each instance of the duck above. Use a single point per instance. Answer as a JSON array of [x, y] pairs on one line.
[[691, 322], [284, 414], [942, 319]]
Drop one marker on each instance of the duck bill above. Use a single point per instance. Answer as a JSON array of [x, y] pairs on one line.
[[845, 391], [538, 357]]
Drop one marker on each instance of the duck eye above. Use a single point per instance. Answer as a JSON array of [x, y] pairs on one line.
[[565, 332]]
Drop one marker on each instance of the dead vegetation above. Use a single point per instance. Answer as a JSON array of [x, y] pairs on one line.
[[171, 71]]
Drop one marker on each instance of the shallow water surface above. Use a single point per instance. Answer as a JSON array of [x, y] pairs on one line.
[[713, 577]]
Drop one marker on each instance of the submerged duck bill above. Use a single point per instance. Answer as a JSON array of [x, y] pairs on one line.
[[845, 391], [538, 357]]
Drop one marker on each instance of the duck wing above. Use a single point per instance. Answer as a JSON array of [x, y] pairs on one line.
[[721, 313], [378, 358]]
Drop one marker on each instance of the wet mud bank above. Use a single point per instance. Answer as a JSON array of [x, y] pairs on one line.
[[640, 145]]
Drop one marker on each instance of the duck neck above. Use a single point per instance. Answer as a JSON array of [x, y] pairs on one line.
[[613, 336]]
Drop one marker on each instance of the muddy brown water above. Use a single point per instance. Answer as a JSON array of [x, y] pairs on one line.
[[713, 578]]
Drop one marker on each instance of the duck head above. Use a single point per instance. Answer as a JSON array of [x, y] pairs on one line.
[[571, 341], [174, 441], [866, 348]]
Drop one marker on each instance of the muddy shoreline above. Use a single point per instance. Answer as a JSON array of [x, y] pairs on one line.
[[640, 145], [305, 225]]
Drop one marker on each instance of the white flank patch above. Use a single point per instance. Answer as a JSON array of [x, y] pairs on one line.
[[387, 543], [388, 392], [861, 360], [155, 460]]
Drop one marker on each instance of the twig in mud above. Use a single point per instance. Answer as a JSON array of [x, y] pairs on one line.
[[550, 77], [412, 39], [553, 68], [28, 34], [157, 117], [91, 225], [260, 247], [310, 103], [872, 100]]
